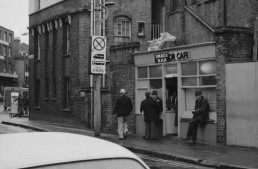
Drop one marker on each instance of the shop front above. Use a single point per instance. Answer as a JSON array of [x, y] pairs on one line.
[[176, 73]]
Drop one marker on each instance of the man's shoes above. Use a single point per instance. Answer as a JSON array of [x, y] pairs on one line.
[[125, 135], [120, 138], [187, 138]]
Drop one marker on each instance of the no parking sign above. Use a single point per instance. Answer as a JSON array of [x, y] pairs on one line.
[[98, 55]]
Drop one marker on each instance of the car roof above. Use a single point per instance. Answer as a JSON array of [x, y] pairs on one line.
[[21, 150]]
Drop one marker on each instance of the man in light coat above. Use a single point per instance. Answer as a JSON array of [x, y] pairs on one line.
[[122, 109]]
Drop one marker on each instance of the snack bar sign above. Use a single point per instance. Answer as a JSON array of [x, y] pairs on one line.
[[98, 55], [171, 56]]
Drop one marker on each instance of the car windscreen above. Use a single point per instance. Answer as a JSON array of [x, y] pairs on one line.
[[97, 164]]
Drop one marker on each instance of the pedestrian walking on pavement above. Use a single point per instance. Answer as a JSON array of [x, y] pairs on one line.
[[26, 104], [148, 107], [20, 105], [122, 109], [200, 114]]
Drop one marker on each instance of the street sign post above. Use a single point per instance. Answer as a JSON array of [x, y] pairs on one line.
[[98, 68]]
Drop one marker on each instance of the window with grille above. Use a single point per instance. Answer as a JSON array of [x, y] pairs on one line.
[[122, 30]]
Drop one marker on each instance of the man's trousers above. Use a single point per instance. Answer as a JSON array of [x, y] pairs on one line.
[[192, 128], [150, 131], [122, 126]]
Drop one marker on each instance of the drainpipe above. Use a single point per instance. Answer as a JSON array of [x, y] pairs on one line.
[[224, 12], [92, 21]]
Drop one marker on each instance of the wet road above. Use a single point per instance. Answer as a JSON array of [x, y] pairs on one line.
[[156, 163], [4, 129]]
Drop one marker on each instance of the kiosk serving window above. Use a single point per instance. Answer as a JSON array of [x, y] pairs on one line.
[[148, 78], [198, 74], [202, 75]]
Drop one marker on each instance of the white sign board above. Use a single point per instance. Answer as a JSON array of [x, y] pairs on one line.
[[98, 55]]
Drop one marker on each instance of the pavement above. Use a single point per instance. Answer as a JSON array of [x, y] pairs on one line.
[[167, 147]]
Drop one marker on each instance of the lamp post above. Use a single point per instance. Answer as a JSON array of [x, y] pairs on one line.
[[96, 30]]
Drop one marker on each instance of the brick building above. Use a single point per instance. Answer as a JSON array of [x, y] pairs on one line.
[[8, 77], [210, 34], [59, 45]]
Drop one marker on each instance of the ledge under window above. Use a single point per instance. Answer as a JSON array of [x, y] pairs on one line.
[[54, 99], [37, 108]]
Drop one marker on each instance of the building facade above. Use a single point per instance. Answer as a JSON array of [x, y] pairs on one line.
[[210, 34], [8, 76], [21, 62]]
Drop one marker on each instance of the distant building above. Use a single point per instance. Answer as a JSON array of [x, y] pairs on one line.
[[21, 62], [8, 76]]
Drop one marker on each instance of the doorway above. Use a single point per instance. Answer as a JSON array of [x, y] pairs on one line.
[[171, 105]]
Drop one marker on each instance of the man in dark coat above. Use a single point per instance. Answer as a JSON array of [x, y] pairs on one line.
[[122, 109], [200, 114], [148, 107], [158, 101], [159, 109]]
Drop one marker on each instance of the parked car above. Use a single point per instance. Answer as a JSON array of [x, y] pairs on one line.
[[54, 150]]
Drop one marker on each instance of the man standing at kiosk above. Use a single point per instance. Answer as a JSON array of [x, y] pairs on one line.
[[148, 108], [159, 109]]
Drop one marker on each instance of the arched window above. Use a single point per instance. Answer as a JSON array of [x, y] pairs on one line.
[[122, 30]]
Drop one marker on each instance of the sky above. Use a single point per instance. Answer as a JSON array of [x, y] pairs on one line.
[[14, 15]]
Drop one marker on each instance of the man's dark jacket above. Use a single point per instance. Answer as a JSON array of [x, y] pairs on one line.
[[202, 109], [148, 106], [123, 106], [159, 106]]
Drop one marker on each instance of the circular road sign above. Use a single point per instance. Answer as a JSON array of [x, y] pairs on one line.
[[99, 43]]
